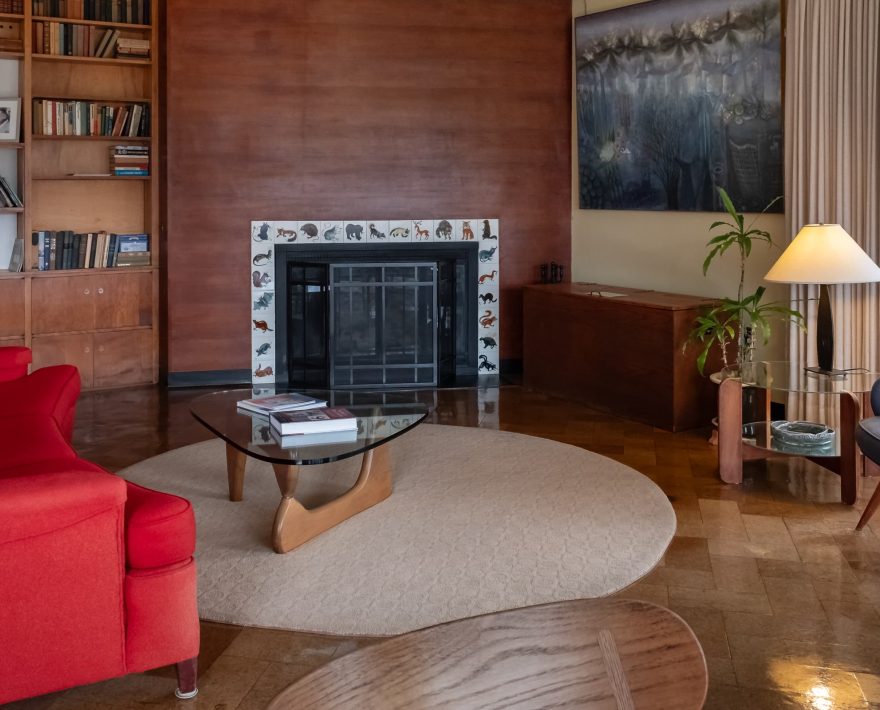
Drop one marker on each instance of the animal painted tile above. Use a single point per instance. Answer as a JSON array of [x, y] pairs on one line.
[[262, 232], [262, 348], [262, 390], [465, 230], [423, 230], [263, 302], [263, 371], [400, 231], [488, 342], [332, 231], [489, 277], [285, 232], [355, 231], [263, 325], [377, 231], [261, 278], [262, 255], [487, 230], [443, 230], [488, 254], [310, 231], [487, 297], [485, 365], [488, 318]]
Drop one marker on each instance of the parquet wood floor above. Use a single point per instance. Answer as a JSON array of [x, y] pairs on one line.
[[783, 594]]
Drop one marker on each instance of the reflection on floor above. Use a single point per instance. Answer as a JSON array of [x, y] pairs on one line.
[[782, 593]]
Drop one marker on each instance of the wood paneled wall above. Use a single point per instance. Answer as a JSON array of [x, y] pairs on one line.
[[333, 109]]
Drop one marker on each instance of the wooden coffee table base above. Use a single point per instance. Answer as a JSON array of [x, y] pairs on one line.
[[294, 524]]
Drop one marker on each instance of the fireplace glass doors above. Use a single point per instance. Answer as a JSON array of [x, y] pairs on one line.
[[396, 316], [383, 320]]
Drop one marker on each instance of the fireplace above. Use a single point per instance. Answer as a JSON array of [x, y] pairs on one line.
[[376, 316]]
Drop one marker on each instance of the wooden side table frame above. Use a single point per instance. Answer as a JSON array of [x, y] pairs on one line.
[[732, 450]]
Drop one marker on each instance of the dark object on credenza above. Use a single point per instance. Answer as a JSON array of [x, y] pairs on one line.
[[618, 349], [552, 273]]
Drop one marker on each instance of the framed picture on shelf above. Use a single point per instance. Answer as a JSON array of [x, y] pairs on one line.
[[10, 112]]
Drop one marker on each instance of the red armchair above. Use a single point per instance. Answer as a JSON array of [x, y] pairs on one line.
[[97, 578]]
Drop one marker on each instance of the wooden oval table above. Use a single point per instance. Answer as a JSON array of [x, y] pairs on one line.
[[592, 653]]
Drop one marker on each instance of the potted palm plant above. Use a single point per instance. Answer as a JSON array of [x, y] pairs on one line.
[[737, 322]]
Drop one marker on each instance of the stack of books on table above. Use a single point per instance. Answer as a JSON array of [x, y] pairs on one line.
[[130, 160]]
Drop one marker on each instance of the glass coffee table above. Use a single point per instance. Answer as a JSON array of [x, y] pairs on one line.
[[746, 429], [382, 417]]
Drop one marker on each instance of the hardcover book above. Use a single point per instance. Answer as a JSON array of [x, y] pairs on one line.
[[313, 421]]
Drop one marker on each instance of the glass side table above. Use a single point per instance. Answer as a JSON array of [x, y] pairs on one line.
[[746, 431]]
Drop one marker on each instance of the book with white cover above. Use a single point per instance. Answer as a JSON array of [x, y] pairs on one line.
[[294, 441]]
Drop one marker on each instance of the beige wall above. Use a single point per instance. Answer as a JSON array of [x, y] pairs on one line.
[[661, 250]]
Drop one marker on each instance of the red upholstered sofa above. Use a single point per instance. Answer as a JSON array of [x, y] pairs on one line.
[[97, 577]]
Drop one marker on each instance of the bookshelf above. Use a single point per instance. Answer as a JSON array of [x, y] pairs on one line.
[[104, 320]]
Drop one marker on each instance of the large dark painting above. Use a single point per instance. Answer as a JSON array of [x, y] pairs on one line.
[[676, 97]]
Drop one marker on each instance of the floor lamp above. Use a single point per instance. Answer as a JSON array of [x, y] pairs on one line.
[[824, 254]]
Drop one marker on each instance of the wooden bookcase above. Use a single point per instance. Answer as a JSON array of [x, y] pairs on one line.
[[105, 321]]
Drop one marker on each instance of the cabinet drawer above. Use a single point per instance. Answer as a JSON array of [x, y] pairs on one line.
[[63, 304], [12, 308], [123, 358], [74, 350], [123, 300]]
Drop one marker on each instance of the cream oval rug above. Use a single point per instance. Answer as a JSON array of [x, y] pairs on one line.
[[479, 521]]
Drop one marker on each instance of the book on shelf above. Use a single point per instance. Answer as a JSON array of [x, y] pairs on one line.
[[313, 421], [90, 118], [16, 260], [13, 7], [130, 160], [135, 12], [128, 48], [325, 438], [8, 196], [280, 403], [65, 249]]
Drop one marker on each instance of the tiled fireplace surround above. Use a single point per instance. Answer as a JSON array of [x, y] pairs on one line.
[[266, 234]]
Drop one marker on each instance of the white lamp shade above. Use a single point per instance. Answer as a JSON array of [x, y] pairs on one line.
[[824, 254]]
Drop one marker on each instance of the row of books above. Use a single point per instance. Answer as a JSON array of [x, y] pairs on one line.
[[130, 11], [62, 39], [130, 160], [300, 420], [89, 118], [96, 250], [12, 6], [8, 196]]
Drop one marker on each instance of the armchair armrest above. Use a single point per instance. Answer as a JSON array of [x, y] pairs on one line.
[[14, 363], [36, 505]]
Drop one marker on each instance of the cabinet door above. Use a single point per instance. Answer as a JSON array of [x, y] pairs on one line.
[[123, 358], [123, 300], [65, 350], [12, 308], [62, 304]]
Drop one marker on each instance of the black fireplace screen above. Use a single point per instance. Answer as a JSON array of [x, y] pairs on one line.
[[383, 324], [347, 320]]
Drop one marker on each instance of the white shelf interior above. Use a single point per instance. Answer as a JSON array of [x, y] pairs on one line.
[[9, 88]]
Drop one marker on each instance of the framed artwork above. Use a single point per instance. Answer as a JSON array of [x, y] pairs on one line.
[[10, 111], [678, 97]]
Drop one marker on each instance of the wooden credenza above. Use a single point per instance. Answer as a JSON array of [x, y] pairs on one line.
[[621, 353]]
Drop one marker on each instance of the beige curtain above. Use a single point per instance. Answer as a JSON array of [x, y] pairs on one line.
[[832, 124]]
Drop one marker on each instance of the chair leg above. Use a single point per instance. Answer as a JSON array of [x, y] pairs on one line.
[[870, 509], [187, 673]]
